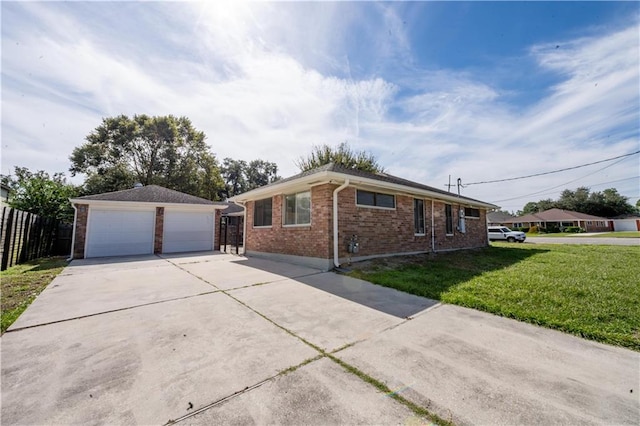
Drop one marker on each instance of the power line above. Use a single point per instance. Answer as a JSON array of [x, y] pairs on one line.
[[566, 183], [545, 192], [553, 171]]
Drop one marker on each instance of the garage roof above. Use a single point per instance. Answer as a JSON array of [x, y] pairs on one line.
[[149, 194]]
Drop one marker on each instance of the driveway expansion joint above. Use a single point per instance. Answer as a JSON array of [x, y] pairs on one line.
[[243, 391], [157, 302]]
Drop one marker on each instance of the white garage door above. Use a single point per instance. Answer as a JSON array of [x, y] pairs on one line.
[[187, 231], [624, 225], [120, 233]]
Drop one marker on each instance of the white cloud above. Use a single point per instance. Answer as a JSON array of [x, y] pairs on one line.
[[270, 80]]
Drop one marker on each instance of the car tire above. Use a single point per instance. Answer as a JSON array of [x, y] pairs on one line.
[[511, 239]]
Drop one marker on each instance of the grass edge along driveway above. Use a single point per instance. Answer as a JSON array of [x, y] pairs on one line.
[[21, 284], [589, 291]]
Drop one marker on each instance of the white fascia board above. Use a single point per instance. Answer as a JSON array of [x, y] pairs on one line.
[[339, 178], [397, 188], [296, 185], [137, 205]]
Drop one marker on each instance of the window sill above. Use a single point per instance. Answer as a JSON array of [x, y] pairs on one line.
[[375, 207], [262, 227], [448, 235], [419, 235], [304, 225]]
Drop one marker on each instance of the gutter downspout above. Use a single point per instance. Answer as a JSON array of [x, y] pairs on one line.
[[73, 233], [433, 231], [336, 257]]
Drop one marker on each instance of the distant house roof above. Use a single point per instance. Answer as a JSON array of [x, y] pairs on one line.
[[149, 194], [499, 217], [382, 180], [555, 215], [233, 210]]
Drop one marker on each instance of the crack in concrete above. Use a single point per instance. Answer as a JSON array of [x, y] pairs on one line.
[[112, 311], [418, 410], [243, 391]]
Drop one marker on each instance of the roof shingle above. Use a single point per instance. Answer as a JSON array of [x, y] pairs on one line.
[[150, 194], [382, 177]]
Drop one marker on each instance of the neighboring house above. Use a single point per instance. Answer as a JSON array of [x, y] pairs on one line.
[[626, 223], [4, 195], [499, 219], [558, 218], [143, 220], [377, 215]]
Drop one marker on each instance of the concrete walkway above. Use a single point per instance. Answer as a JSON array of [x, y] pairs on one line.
[[215, 338]]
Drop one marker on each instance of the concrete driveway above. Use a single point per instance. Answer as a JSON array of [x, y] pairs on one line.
[[208, 339]]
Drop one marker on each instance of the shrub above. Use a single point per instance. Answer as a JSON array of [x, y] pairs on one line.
[[533, 230], [573, 229], [551, 229]]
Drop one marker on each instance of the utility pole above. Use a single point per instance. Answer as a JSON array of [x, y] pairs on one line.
[[459, 185], [449, 184]]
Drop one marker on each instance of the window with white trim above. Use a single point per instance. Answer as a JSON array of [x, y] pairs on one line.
[[418, 217], [375, 199], [297, 208], [470, 212]]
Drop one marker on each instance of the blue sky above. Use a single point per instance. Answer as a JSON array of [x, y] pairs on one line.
[[475, 90]]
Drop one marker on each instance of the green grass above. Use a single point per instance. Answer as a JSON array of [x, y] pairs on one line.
[[621, 234], [21, 284], [591, 291]]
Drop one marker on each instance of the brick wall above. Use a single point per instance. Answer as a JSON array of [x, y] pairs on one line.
[[475, 235], [157, 242], [81, 230], [379, 231], [310, 241], [384, 231]]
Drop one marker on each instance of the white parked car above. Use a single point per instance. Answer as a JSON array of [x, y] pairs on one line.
[[506, 234]]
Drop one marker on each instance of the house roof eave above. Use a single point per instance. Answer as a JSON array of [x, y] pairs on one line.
[[339, 178]]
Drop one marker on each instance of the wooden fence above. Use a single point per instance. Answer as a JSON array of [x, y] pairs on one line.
[[26, 236]]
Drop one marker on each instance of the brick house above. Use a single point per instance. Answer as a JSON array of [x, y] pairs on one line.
[[143, 220], [558, 218], [292, 219]]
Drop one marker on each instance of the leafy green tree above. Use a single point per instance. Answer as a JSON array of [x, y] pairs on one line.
[[608, 203], [234, 175], [536, 207], [260, 173], [342, 155], [577, 201], [39, 193], [240, 177], [164, 150]]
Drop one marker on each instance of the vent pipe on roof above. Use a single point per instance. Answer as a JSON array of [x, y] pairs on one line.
[[138, 185]]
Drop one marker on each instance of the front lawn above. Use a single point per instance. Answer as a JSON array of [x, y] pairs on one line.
[[621, 234], [21, 284], [591, 291]]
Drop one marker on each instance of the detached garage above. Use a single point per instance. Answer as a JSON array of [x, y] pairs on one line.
[[145, 220]]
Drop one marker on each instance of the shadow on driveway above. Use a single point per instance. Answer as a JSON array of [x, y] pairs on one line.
[[383, 299]]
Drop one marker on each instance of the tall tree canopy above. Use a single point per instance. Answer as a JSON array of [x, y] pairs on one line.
[[240, 177], [608, 203], [39, 193], [165, 150], [342, 155]]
